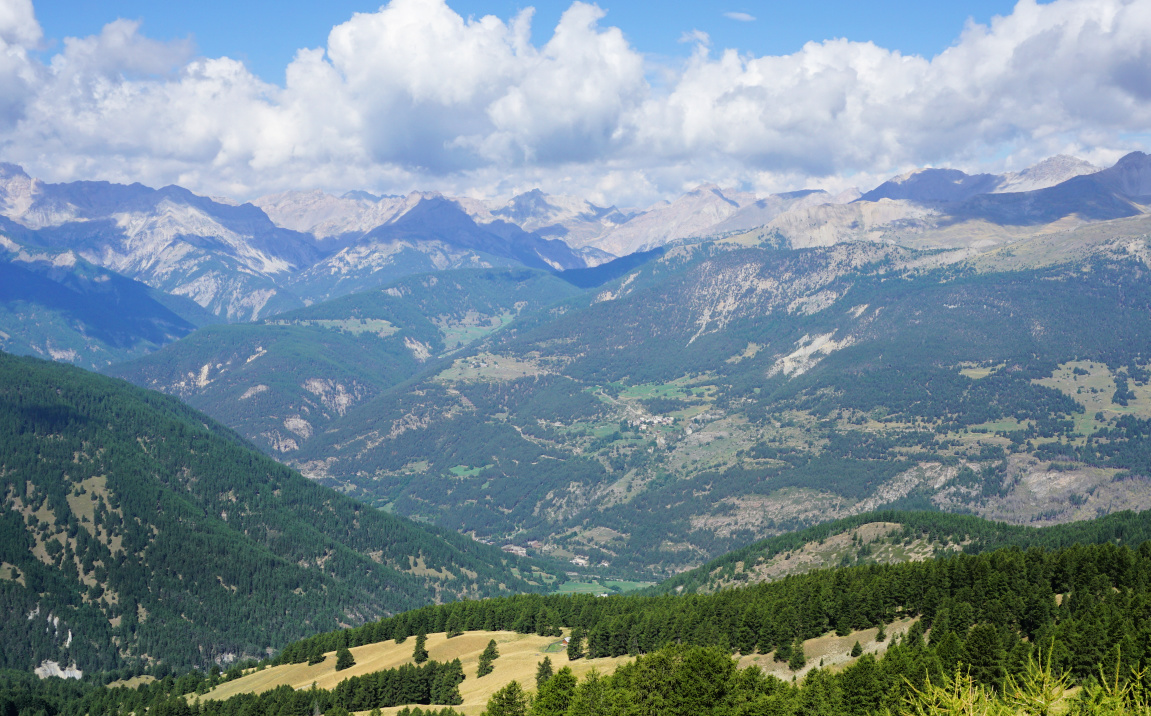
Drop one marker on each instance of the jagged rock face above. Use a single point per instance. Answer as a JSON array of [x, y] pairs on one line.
[[238, 263], [225, 257], [246, 261]]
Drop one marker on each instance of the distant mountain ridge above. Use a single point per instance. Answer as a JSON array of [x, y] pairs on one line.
[[244, 262], [228, 259]]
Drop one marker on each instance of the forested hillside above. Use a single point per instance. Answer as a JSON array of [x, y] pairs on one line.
[[134, 528], [285, 379], [720, 394], [55, 305], [891, 537], [1021, 627]]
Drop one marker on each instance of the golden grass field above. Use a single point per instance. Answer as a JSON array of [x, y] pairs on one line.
[[519, 656]]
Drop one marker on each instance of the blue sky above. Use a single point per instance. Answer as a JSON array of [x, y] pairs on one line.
[[265, 34]]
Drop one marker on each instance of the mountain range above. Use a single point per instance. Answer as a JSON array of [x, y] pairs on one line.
[[657, 409], [241, 262]]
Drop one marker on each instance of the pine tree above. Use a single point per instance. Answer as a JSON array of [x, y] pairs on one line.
[[983, 653], [914, 637], [797, 660], [316, 655], [881, 635], [783, 652], [455, 625], [420, 653], [591, 697], [857, 649], [555, 695], [543, 672], [575, 644], [445, 688], [344, 658], [511, 700], [490, 654], [861, 687]]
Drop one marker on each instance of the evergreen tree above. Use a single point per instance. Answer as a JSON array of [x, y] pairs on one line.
[[783, 652], [316, 655], [455, 625], [857, 649], [949, 651], [881, 635], [543, 672], [420, 652], [490, 654], [592, 697], [445, 687], [575, 644], [344, 659], [983, 654], [861, 687], [797, 659], [511, 700], [914, 637], [555, 695]]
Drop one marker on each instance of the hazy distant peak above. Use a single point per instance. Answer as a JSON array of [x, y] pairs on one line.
[[933, 185], [528, 205], [11, 171], [1131, 175], [358, 195], [1049, 172]]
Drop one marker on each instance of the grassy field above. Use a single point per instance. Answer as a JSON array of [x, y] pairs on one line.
[[488, 368], [519, 656], [829, 651]]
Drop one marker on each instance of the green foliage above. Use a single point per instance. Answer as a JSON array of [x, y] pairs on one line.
[[796, 660], [345, 660], [544, 672], [976, 534], [555, 694], [856, 649], [575, 644], [862, 414], [511, 700], [420, 652], [316, 655], [167, 525], [489, 654]]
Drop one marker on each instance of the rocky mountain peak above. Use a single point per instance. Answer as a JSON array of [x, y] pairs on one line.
[[1131, 175]]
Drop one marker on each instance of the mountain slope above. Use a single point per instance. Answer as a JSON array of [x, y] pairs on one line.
[[139, 528], [54, 304], [280, 381], [225, 257], [716, 394], [891, 537]]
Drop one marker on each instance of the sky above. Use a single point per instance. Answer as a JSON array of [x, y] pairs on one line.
[[224, 27], [622, 103]]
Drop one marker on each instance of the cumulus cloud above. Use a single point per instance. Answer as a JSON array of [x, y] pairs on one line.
[[416, 96], [739, 16]]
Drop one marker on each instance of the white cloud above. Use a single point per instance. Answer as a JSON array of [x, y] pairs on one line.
[[739, 16], [415, 96]]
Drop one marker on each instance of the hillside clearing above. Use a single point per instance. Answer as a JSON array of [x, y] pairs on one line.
[[519, 656]]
